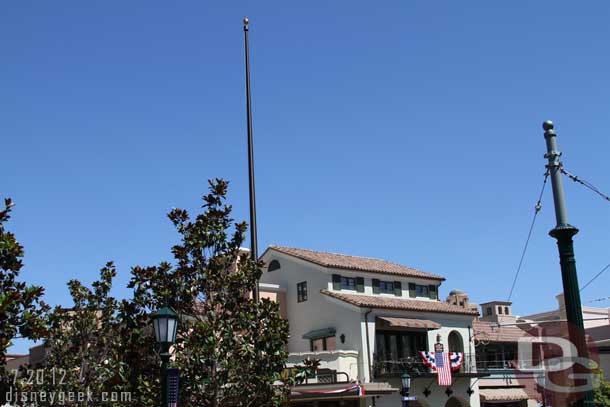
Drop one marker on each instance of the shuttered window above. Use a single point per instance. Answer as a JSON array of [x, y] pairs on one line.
[[348, 283], [386, 287], [427, 291]]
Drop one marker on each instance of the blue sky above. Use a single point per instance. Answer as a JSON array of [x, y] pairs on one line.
[[404, 130]]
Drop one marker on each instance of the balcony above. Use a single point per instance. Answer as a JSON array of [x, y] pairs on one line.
[[335, 366], [471, 367], [416, 367]]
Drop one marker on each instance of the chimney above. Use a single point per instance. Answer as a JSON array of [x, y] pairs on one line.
[[561, 305]]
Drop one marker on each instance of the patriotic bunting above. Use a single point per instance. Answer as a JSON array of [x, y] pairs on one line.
[[443, 363]]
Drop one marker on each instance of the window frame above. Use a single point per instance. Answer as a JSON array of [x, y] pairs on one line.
[[419, 291], [386, 287], [345, 283], [406, 344], [325, 344], [302, 291]]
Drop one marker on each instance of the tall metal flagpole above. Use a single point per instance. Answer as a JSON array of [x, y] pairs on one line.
[[564, 232], [253, 238]]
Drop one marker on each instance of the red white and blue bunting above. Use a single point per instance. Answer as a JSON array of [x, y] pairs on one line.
[[443, 363]]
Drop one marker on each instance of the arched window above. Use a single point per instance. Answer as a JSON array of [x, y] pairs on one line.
[[274, 265], [506, 310], [488, 310], [499, 310], [455, 342]]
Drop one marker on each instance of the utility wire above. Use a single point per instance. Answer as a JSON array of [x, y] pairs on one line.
[[586, 184], [593, 188], [537, 208], [599, 299], [597, 275]]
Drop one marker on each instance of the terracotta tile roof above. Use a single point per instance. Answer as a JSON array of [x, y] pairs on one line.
[[370, 301], [490, 332], [342, 261]]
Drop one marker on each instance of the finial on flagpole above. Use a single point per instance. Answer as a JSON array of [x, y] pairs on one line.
[[246, 21]]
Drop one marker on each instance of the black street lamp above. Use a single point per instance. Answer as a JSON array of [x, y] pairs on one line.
[[406, 386], [165, 322]]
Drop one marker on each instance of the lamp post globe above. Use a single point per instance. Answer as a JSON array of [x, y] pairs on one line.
[[165, 324]]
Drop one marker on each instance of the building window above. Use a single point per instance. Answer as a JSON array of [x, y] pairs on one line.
[[273, 265], [488, 310], [348, 283], [506, 310], [302, 291], [496, 356], [422, 291], [499, 310], [428, 291], [394, 346], [386, 287], [320, 344]]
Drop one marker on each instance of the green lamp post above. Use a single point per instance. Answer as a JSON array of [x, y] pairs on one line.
[[165, 323]]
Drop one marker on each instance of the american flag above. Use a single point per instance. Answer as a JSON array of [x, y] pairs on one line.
[[443, 368]]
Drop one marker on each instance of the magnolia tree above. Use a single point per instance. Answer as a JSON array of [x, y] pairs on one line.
[[230, 348], [21, 308], [84, 349]]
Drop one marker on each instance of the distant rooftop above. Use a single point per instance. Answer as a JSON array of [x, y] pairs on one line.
[[492, 332], [346, 262], [497, 302]]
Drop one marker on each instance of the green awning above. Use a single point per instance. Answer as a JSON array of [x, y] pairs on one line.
[[320, 333]]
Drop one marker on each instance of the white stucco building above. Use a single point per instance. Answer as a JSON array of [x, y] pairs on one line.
[[366, 320]]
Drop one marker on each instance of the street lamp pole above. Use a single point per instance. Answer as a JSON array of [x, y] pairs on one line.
[[564, 232], [165, 324], [164, 363], [405, 380]]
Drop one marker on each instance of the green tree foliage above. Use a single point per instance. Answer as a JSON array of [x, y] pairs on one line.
[[602, 392], [230, 348], [83, 344], [21, 307]]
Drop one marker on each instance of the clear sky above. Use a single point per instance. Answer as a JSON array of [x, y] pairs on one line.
[[404, 130]]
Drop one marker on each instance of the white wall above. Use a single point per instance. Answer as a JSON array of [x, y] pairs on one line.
[[317, 312]]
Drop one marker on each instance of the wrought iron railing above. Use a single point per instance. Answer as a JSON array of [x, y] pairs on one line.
[[415, 366]]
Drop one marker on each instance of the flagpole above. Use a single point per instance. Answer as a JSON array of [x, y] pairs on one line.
[[253, 237]]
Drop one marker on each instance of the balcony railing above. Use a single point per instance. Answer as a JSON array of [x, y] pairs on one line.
[[415, 366], [337, 366]]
